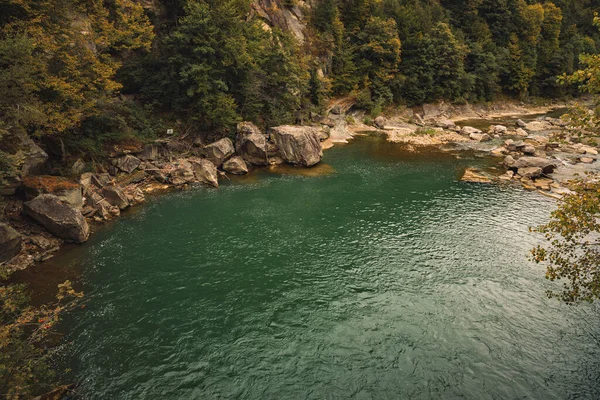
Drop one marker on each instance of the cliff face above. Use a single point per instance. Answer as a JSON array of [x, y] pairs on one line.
[[287, 18]]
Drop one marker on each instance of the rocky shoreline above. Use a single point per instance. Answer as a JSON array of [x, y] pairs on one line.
[[44, 212]]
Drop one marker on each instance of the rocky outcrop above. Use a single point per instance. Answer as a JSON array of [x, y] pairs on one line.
[[251, 144], [236, 166], [298, 145], [22, 157], [205, 171], [58, 217], [278, 15], [219, 151], [61, 187], [10, 243]]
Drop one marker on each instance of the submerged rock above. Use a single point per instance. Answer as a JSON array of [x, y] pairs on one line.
[[10, 243], [235, 165], [251, 144], [298, 145], [58, 217], [473, 175]]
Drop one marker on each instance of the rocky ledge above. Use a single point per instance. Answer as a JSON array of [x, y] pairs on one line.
[[48, 211]]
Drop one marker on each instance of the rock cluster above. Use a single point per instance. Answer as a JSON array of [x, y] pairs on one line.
[[63, 206]]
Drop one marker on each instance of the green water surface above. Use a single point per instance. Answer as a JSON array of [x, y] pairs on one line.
[[378, 276]]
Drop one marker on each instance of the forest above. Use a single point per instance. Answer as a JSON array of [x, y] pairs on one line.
[[80, 74]]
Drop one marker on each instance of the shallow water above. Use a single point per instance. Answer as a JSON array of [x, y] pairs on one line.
[[380, 278]]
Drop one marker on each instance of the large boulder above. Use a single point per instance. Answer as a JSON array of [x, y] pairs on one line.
[[219, 151], [126, 163], [380, 122], [115, 196], [498, 130], [235, 165], [468, 130], [205, 171], [61, 187], [10, 243], [251, 144], [548, 166], [58, 217], [537, 126], [530, 172], [298, 145]]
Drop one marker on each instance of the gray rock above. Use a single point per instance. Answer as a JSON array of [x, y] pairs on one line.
[[152, 152], [78, 167], [115, 196], [58, 217], [446, 124], [537, 126], [101, 180], [480, 137], [126, 163], [498, 129], [235, 165], [218, 151], [528, 149], [547, 166], [530, 172], [521, 132], [298, 145], [251, 144], [205, 171], [468, 130], [521, 124], [380, 122], [509, 161], [10, 243]]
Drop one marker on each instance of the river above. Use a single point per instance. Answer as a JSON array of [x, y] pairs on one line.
[[376, 275]]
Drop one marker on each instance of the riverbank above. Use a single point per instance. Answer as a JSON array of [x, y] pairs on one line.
[[534, 150]]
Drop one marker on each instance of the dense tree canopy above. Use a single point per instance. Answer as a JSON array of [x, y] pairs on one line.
[[66, 63]]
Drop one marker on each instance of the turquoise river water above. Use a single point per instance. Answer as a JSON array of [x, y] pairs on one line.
[[376, 275]]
